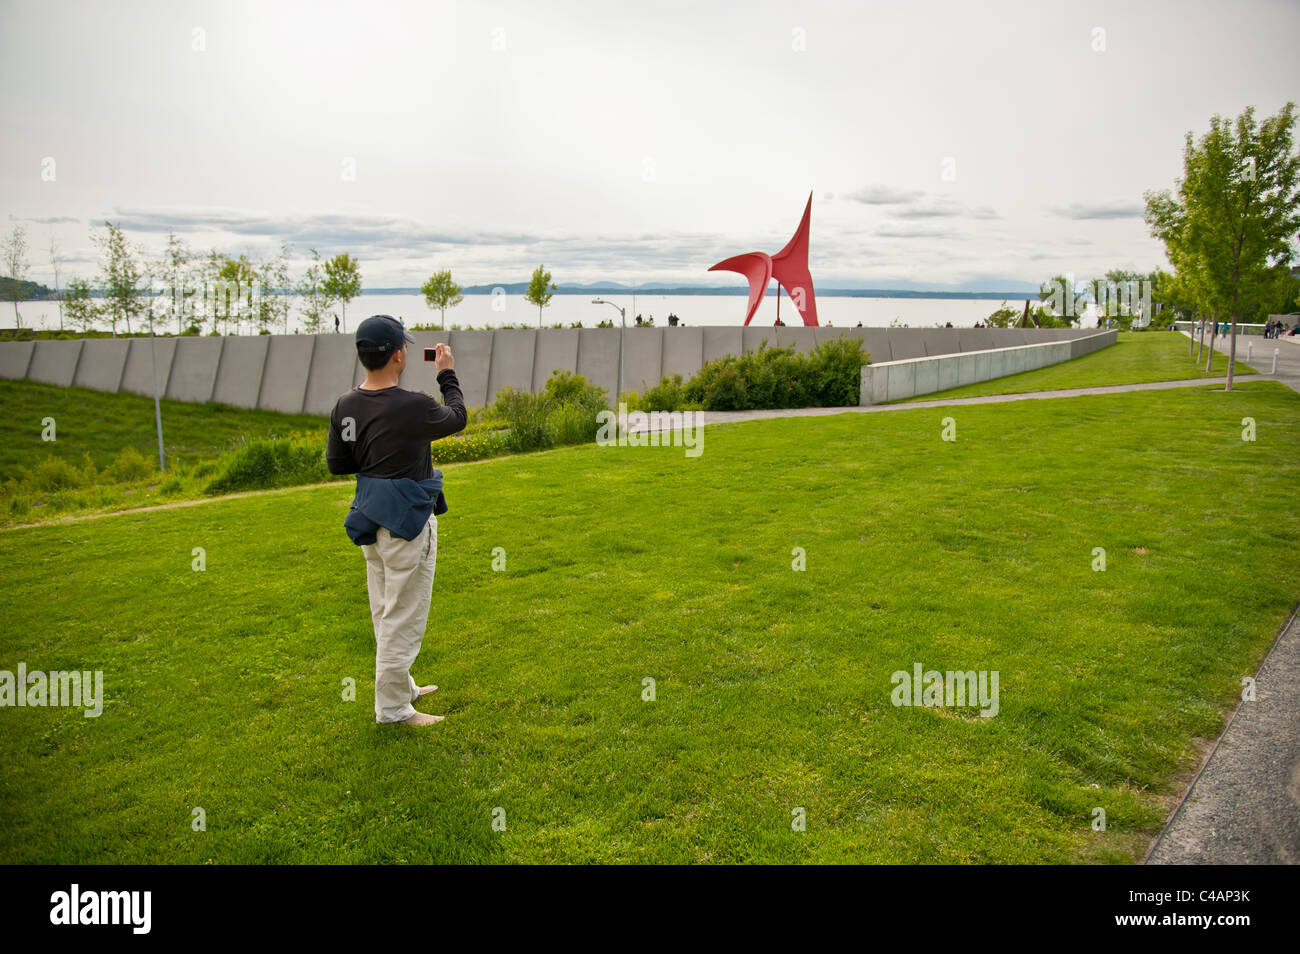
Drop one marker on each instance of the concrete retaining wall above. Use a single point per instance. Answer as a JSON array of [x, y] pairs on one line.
[[307, 373], [101, 363], [141, 357], [914, 377], [55, 362]]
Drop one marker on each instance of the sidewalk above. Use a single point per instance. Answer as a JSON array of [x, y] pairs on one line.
[[1244, 807], [1288, 357]]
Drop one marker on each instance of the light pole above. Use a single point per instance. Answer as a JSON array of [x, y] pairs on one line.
[[622, 314]]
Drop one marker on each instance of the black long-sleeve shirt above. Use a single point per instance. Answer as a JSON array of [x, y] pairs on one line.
[[391, 429]]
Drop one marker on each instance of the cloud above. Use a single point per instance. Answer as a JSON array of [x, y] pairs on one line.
[[903, 230], [1114, 209], [884, 195], [916, 204], [45, 220]]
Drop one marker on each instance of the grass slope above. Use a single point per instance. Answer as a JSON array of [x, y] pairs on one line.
[[223, 687], [101, 424], [1137, 357]]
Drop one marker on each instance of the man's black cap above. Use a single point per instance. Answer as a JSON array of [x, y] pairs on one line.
[[381, 334]]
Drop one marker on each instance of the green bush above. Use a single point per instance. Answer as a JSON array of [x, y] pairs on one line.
[[668, 395], [52, 473], [525, 415], [828, 376], [273, 462], [571, 424], [129, 465], [564, 413], [566, 389]]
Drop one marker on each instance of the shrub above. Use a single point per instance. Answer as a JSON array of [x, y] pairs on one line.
[[829, 376], [52, 473], [564, 413], [452, 450], [571, 424], [129, 465], [667, 395], [564, 388], [525, 415], [271, 462]]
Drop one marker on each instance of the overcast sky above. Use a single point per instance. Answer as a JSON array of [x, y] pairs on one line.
[[624, 141]]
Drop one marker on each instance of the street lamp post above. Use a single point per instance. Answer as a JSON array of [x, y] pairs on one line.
[[622, 348]]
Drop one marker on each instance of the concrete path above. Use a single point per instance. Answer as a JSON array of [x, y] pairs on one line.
[[1261, 359], [1244, 806]]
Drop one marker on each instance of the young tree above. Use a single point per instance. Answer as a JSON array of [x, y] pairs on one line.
[[54, 264], [313, 300], [539, 291], [342, 281], [173, 272], [238, 278], [208, 272], [276, 287], [1004, 317], [1237, 209], [83, 310], [14, 249], [120, 277], [442, 293]]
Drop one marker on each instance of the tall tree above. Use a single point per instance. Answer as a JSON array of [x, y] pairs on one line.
[[1238, 209], [120, 276], [442, 293], [539, 291], [342, 281], [14, 249]]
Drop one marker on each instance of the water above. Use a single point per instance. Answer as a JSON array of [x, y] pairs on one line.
[[493, 311]]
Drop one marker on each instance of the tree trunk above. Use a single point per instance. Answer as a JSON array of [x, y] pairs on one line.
[[1200, 341], [1191, 339], [1214, 329], [1232, 351]]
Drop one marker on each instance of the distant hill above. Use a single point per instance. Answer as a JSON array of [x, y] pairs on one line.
[[27, 291], [1010, 290]]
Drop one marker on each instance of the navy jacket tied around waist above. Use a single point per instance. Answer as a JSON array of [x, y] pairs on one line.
[[401, 504]]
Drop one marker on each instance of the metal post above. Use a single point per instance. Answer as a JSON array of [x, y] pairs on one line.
[[622, 354], [1275, 351], [157, 412]]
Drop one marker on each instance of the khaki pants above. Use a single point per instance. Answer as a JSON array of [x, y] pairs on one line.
[[399, 576]]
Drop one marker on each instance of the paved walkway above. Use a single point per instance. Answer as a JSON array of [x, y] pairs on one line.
[[1244, 806], [1261, 357]]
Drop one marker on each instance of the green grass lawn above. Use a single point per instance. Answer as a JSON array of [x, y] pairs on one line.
[[223, 687], [101, 424], [1137, 357]]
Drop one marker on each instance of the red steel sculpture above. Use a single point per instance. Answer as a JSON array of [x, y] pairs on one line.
[[789, 267]]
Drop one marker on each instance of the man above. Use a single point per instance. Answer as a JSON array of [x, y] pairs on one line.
[[381, 433]]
